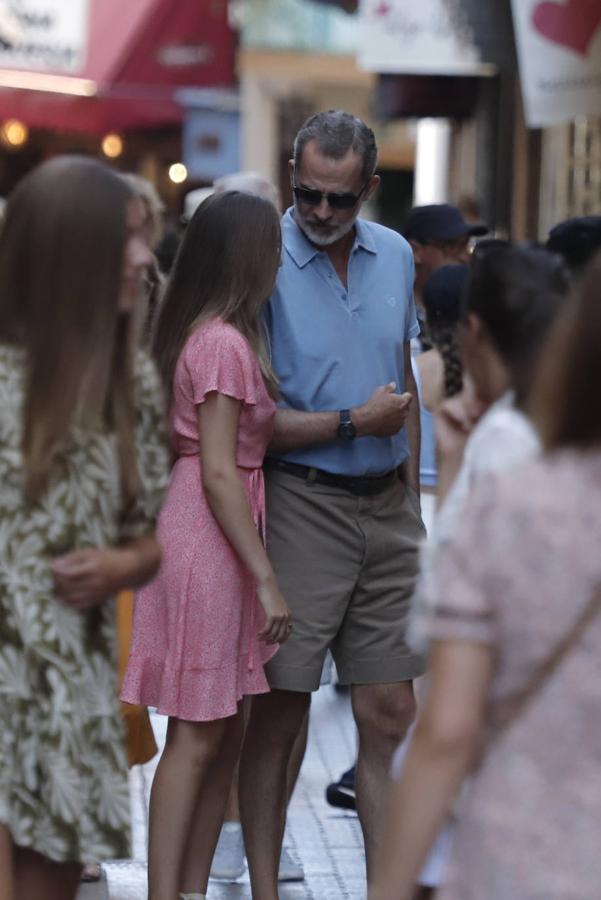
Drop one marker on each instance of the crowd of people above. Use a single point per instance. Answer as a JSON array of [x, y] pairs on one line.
[[248, 443]]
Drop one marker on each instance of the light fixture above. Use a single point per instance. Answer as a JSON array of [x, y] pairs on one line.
[[14, 133], [55, 84], [112, 145], [178, 173]]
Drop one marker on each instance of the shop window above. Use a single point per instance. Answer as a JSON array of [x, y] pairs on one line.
[[571, 174]]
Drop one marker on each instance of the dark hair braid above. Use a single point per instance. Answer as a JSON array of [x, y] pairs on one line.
[[444, 338]]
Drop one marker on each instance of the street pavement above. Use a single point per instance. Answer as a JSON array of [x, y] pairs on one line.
[[327, 841]]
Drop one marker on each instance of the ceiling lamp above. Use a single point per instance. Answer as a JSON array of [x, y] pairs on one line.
[[112, 145], [14, 134]]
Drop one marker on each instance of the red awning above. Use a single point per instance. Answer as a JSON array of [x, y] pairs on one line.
[[139, 53]]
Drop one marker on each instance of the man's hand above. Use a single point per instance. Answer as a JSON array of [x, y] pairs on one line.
[[86, 577], [384, 414]]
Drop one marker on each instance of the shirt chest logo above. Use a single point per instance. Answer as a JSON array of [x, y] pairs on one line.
[[391, 301]]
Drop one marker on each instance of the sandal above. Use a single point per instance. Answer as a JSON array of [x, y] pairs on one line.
[[91, 872]]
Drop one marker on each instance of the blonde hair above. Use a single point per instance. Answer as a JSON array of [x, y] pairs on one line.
[[154, 208]]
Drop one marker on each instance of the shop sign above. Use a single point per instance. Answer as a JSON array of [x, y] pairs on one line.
[[44, 35], [211, 143], [429, 37], [559, 50]]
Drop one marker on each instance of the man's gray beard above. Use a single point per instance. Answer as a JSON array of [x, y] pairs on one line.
[[318, 237]]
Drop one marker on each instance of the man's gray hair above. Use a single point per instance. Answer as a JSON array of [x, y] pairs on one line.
[[336, 132], [249, 183]]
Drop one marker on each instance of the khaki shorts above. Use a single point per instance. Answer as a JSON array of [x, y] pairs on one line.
[[347, 567]]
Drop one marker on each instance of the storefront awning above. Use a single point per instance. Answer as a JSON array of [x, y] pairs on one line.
[[139, 52]]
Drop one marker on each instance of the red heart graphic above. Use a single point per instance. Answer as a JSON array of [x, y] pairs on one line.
[[572, 24]]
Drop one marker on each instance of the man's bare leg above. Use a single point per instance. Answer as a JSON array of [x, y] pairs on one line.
[[383, 714], [296, 757], [275, 722]]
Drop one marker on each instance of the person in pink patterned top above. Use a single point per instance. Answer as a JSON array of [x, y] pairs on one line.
[[511, 586], [214, 615]]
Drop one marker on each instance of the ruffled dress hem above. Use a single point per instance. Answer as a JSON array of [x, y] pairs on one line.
[[196, 695]]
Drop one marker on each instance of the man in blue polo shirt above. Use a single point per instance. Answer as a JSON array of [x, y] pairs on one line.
[[342, 480]]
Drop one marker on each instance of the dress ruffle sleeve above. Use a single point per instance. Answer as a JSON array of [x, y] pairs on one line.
[[218, 358]]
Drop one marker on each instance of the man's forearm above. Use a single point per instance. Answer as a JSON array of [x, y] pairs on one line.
[[383, 415], [294, 428]]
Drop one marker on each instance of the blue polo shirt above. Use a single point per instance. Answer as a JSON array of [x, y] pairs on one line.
[[332, 346]]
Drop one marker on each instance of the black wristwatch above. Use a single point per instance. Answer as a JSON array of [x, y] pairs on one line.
[[346, 430]]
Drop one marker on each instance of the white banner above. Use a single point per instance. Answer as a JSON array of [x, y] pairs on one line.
[[44, 35], [420, 37], [559, 48]]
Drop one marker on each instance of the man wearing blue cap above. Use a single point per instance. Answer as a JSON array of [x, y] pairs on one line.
[[439, 236], [577, 240]]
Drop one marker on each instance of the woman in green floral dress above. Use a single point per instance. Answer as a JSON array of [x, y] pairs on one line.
[[82, 469]]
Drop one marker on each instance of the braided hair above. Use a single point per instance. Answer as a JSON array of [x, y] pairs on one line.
[[444, 339], [442, 302]]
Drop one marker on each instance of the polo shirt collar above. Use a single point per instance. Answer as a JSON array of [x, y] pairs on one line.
[[303, 251], [364, 237], [298, 246]]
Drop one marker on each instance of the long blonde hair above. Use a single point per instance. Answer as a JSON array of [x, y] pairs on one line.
[[61, 267], [225, 268]]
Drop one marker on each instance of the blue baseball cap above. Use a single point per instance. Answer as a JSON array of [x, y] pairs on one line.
[[442, 294], [577, 240], [439, 222]]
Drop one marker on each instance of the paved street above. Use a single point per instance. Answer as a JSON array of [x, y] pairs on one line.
[[327, 841]]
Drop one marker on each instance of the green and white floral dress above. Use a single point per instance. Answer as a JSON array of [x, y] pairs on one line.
[[63, 766]]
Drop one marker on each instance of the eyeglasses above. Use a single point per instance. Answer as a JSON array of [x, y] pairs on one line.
[[311, 197]]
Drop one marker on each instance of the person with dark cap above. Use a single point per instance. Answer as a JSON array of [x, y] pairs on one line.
[[439, 236], [439, 371], [577, 241]]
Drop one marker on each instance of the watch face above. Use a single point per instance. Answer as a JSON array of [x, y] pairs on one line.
[[346, 431]]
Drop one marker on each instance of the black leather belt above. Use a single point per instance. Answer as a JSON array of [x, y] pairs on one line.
[[361, 485]]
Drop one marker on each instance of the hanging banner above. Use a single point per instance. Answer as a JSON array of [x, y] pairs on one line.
[[428, 37], [44, 35], [559, 50]]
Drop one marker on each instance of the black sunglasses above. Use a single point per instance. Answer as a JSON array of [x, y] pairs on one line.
[[335, 201]]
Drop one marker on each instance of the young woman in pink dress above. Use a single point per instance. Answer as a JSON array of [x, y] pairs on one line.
[[214, 615]]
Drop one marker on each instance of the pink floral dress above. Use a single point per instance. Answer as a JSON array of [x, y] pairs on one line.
[[195, 648]]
